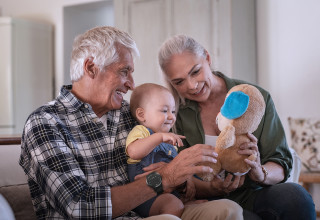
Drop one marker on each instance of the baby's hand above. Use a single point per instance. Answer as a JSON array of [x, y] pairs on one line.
[[172, 138]]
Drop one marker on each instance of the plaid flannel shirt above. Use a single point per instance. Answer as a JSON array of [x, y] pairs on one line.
[[72, 161]]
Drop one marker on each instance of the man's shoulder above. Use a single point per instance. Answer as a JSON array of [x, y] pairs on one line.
[[47, 112], [46, 108]]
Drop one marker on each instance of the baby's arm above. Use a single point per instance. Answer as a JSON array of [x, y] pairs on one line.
[[140, 148]]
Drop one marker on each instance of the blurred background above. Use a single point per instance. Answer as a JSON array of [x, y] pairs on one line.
[[273, 43]]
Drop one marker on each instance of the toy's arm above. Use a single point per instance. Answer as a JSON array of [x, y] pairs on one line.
[[227, 137]]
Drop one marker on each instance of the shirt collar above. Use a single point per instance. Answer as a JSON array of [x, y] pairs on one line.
[[69, 100]]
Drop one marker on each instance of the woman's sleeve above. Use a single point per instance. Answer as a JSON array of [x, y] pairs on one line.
[[272, 140]]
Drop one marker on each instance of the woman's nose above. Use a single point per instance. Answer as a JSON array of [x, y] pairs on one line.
[[192, 84]]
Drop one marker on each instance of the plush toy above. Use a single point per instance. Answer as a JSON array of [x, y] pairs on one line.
[[240, 114]]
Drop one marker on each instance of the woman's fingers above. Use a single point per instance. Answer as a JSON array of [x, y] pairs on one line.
[[252, 138], [232, 183]]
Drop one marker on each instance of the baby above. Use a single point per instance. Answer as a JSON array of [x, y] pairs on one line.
[[150, 142]]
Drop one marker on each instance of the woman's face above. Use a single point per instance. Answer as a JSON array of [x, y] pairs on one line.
[[190, 75]]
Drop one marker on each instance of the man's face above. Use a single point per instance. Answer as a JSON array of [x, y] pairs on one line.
[[112, 82]]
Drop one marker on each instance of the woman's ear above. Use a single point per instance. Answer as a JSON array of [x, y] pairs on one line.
[[140, 114], [89, 67]]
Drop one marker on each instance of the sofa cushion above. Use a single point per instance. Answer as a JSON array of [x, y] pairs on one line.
[[10, 170], [18, 197], [13, 183], [305, 139]]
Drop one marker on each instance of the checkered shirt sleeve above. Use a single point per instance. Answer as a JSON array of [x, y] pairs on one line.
[[72, 161]]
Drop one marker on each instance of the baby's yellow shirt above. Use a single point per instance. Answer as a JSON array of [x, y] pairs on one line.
[[138, 132]]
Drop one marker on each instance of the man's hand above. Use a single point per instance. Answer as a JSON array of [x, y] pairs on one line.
[[150, 168], [185, 165]]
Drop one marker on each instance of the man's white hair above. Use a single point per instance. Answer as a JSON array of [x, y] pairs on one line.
[[101, 44]]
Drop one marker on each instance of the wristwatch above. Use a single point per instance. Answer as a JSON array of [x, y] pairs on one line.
[[154, 180]]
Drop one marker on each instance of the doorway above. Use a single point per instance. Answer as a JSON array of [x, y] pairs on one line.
[[79, 18]]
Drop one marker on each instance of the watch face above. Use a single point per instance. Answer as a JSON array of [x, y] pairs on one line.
[[154, 179]]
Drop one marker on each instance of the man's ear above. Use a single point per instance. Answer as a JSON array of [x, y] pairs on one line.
[[89, 67], [208, 58], [140, 114]]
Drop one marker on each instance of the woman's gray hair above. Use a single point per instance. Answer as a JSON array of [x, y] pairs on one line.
[[100, 43], [177, 45]]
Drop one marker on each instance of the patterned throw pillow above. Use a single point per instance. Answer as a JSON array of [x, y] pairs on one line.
[[305, 139]]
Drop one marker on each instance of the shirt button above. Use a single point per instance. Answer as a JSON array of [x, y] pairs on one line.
[[86, 106]]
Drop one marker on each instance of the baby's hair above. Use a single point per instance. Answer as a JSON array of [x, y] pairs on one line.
[[141, 94]]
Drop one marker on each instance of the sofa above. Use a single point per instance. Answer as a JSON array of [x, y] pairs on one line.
[[14, 188], [13, 182]]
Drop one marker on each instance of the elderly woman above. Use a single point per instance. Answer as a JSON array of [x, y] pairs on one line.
[[200, 93]]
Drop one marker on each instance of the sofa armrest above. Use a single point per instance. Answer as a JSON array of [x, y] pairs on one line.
[[13, 181]]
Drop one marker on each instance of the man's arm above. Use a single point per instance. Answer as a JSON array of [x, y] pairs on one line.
[[182, 167], [127, 197], [55, 166], [56, 175]]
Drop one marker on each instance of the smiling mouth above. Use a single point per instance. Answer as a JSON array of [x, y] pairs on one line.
[[120, 93], [196, 93]]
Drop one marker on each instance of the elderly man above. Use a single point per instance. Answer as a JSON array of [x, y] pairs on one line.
[[73, 148]]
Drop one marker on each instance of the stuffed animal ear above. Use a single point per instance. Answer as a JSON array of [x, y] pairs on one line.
[[235, 105]]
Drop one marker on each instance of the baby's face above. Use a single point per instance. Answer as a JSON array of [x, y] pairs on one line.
[[160, 112]]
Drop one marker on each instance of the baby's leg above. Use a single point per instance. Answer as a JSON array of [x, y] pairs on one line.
[[167, 204]]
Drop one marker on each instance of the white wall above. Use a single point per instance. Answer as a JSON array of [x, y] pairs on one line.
[[289, 58], [44, 10], [289, 55]]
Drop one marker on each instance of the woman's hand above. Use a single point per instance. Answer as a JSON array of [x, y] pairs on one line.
[[227, 185], [189, 192], [251, 148]]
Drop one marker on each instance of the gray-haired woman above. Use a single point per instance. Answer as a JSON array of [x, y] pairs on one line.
[[200, 93]]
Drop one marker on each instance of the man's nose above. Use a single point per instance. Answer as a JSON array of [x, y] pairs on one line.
[[130, 82]]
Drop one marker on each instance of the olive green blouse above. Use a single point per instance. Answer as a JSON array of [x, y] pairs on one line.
[[270, 134]]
